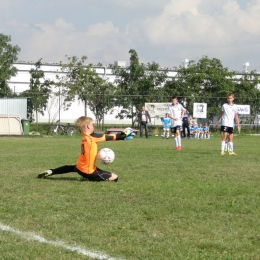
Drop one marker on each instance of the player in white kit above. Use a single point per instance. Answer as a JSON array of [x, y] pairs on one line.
[[176, 112], [229, 113]]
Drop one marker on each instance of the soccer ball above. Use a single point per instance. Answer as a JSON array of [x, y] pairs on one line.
[[106, 156]]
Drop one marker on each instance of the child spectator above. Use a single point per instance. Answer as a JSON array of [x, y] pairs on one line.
[[195, 131], [200, 131], [206, 132], [166, 122]]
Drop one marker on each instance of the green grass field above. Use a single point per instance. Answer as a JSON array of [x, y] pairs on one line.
[[168, 204]]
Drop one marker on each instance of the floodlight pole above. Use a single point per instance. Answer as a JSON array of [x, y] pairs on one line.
[[105, 75], [185, 63], [59, 103], [246, 66]]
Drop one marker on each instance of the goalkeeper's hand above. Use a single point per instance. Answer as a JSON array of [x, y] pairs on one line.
[[128, 131]]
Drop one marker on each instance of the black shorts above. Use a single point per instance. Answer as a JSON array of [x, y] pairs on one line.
[[227, 129], [174, 129], [97, 175]]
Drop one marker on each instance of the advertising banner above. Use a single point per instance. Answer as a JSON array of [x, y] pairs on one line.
[[243, 109], [157, 110]]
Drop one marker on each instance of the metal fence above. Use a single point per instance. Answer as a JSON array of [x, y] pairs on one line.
[[250, 122]]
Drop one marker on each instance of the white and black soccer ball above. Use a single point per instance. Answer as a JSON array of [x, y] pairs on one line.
[[106, 156]]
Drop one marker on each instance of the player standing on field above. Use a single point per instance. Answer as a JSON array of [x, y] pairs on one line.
[[229, 113], [176, 112]]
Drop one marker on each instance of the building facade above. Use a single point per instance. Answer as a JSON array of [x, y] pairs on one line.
[[54, 112]]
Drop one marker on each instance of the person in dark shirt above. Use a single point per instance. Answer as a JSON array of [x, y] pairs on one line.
[[186, 125], [143, 119]]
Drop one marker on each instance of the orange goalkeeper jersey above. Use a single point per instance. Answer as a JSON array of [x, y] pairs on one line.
[[86, 162]]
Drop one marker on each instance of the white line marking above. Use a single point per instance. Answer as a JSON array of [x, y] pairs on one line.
[[77, 249]]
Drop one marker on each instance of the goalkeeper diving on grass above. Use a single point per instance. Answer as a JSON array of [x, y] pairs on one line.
[[86, 162]]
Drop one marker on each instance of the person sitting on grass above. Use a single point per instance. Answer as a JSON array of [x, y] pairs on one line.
[[200, 131], [206, 131], [86, 163], [196, 131]]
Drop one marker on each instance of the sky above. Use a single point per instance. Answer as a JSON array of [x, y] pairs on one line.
[[161, 31]]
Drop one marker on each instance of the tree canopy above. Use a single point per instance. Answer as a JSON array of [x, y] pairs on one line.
[[83, 82], [38, 92], [8, 55], [207, 81], [137, 84]]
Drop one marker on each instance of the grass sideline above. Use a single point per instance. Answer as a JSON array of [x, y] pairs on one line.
[[188, 204]]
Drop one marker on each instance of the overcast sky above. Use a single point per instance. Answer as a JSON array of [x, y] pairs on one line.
[[163, 31]]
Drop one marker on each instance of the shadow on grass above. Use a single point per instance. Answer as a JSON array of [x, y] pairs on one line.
[[65, 179], [80, 179]]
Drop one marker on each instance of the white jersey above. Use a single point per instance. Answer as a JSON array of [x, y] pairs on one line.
[[176, 112], [228, 114]]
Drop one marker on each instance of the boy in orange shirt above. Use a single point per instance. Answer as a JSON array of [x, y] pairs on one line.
[[86, 162]]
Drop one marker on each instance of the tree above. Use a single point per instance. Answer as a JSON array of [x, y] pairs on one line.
[[206, 81], [100, 102], [38, 93], [8, 55], [246, 91], [83, 81], [54, 105], [137, 84]]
